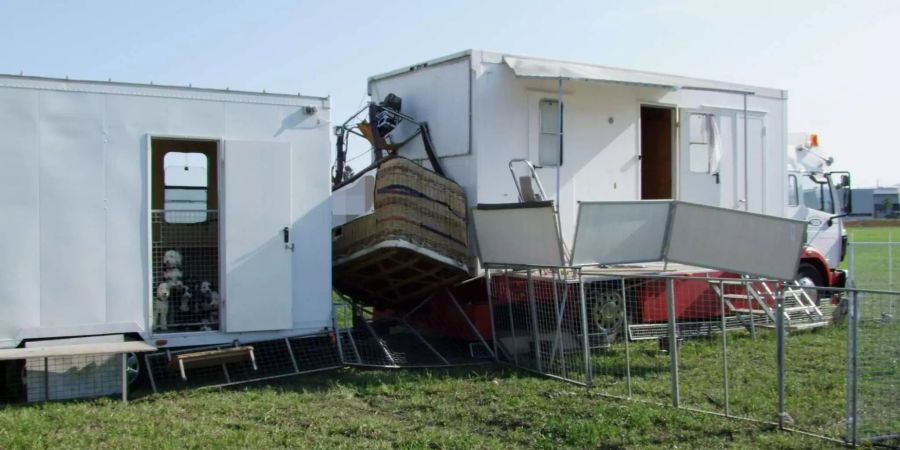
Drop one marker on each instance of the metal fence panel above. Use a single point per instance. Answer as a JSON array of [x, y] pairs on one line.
[[739, 347], [702, 357], [647, 314], [520, 234], [735, 240], [607, 307], [876, 403], [539, 322], [620, 232], [815, 376]]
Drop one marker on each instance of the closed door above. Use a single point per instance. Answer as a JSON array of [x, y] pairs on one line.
[[257, 209]]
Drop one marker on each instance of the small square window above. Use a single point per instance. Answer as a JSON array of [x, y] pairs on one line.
[[699, 128]]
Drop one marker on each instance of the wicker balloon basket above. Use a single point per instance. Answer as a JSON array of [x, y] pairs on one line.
[[413, 244]]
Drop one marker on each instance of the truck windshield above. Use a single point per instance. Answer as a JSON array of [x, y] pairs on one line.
[[817, 193]]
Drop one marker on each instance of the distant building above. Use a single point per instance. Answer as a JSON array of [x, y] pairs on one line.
[[878, 202]]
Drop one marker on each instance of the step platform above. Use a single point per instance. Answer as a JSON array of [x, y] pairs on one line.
[[209, 358]]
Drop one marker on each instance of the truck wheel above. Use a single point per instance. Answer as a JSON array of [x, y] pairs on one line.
[[136, 371], [809, 278], [606, 315]]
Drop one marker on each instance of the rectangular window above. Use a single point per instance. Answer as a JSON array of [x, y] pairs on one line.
[[793, 194], [698, 143], [186, 180], [550, 136]]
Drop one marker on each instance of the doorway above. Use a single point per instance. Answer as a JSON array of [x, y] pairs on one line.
[[184, 206], [656, 152]]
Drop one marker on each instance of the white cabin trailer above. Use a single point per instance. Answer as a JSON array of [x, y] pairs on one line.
[[101, 180], [625, 134]]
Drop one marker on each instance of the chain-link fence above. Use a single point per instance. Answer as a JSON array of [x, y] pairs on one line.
[[739, 347]]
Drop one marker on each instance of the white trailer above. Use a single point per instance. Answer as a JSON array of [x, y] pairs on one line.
[[595, 133], [100, 179]]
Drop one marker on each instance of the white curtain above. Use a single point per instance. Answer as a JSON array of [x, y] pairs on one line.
[[715, 144]]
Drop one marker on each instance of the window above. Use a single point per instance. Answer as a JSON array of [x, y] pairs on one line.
[[817, 194], [699, 143], [186, 179], [550, 136], [793, 194]]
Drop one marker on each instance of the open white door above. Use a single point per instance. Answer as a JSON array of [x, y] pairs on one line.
[[699, 161], [257, 208]]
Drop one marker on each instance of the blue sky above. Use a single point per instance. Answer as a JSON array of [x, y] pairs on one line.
[[838, 59]]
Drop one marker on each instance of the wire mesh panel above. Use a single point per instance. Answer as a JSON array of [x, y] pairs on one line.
[[229, 364], [702, 352], [440, 331], [815, 370], [56, 378], [649, 351], [877, 379], [185, 270], [609, 308], [749, 347], [540, 322], [561, 335], [875, 265], [503, 326]]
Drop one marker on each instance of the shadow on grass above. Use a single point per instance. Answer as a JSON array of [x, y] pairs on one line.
[[355, 378], [362, 378]]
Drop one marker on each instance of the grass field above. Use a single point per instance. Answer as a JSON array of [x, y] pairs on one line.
[[874, 234], [482, 408], [486, 407]]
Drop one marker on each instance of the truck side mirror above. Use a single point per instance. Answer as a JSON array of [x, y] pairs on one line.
[[846, 200], [843, 189]]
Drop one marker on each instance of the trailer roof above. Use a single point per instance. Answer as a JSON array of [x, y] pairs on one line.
[[160, 90], [541, 68]]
